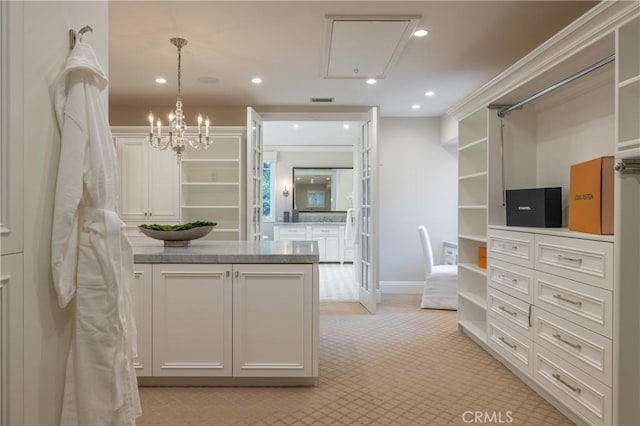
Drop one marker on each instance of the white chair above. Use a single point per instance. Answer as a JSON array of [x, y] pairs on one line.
[[441, 286]]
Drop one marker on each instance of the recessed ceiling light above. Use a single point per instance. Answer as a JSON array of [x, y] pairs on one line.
[[430, 93], [256, 80], [415, 106], [161, 80], [346, 126], [295, 126], [421, 33], [372, 81]]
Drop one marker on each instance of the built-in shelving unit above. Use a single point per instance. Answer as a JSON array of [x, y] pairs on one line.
[[628, 93], [212, 184], [472, 221], [519, 309]]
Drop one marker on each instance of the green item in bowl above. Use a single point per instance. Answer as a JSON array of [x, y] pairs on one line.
[[183, 227]]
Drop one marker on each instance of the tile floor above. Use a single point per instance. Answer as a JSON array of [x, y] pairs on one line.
[[337, 283]]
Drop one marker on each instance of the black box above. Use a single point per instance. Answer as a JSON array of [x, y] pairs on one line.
[[535, 207]]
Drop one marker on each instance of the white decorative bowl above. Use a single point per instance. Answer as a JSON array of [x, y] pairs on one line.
[[177, 238]]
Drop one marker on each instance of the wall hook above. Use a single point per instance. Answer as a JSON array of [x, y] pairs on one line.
[[77, 36]]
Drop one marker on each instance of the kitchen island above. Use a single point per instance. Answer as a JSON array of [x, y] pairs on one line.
[[227, 313]]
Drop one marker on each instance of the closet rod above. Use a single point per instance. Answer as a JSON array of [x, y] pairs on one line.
[[559, 84]]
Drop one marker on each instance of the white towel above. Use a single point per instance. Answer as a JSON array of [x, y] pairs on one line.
[[350, 229]]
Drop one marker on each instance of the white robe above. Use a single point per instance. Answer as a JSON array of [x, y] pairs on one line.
[[92, 258]]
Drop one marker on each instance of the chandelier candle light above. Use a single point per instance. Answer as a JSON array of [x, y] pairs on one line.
[[178, 137]]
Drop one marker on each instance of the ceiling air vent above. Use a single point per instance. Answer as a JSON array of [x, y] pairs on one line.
[[322, 100]]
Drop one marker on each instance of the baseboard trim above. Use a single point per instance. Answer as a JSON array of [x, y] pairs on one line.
[[401, 287]]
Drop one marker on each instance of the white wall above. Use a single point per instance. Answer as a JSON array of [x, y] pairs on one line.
[[47, 327], [418, 185]]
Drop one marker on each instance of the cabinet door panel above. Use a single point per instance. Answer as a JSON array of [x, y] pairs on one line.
[[132, 153], [272, 320], [11, 340], [143, 316], [164, 185], [192, 320], [332, 249]]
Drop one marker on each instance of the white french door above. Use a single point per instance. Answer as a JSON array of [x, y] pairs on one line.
[[254, 175], [367, 171]]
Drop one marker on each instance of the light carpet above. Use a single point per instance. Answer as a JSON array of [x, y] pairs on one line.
[[403, 366]]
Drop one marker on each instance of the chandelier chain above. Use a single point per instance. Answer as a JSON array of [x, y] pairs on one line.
[[179, 69]]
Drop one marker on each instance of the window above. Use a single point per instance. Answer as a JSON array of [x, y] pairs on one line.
[[268, 192]]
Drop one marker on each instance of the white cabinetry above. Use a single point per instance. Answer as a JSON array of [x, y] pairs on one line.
[[328, 238], [11, 214], [560, 307], [472, 222], [551, 313], [272, 320], [143, 295], [212, 184], [290, 233], [192, 308], [149, 182], [11, 340], [332, 246], [628, 91], [223, 320]]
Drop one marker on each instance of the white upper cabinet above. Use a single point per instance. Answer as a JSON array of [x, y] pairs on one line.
[[149, 182]]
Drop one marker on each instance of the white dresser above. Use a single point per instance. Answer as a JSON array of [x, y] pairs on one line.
[[550, 312], [332, 245]]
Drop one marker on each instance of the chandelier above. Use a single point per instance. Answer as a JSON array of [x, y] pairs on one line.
[[178, 138]]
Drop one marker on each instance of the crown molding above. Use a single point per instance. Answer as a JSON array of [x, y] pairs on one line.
[[597, 23]]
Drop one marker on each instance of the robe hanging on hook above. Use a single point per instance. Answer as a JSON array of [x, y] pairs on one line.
[[77, 36]]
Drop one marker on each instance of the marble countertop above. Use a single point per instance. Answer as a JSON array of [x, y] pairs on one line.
[[309, 223], [267, 251]]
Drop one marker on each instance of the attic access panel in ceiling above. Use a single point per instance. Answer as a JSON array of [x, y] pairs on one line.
[[365, 46]]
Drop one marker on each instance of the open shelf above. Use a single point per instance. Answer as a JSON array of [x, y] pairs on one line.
[[478, 238], [212, 183], [629, 115], [478, 175], [472, 267], [479, 302], [471, 145], [477, 328]]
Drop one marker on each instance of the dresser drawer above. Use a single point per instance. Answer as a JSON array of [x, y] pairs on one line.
[[289, 232], [588, 306], [325, 231], [513, 311], [589, 351], [510, 246], [586, 261], [513, 346], [512, 279], [585, 395]]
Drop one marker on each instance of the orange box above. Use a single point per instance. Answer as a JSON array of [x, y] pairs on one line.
[[591, 196], [482, 257]]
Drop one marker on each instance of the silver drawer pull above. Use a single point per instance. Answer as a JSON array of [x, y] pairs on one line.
[[502, 308], [562, 258], [511, 345], [564, 299], [506, 278], [566, 342], [508, 247], [558, 378]]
